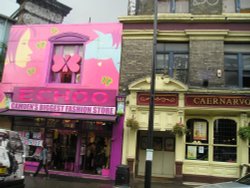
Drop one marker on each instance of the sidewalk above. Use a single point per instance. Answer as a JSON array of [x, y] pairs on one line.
[[75, 182]]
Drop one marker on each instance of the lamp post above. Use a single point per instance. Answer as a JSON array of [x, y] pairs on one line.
[[149, 150]]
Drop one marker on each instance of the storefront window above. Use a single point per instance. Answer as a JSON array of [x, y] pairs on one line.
[[197, 140], [31, 131], [225, 139]]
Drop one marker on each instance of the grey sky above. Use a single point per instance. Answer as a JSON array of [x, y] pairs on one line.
[[97, 10]]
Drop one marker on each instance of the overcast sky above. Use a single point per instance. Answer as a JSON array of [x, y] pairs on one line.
[[82, 10]]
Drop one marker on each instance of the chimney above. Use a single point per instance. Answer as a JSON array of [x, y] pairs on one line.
[[41, 12]]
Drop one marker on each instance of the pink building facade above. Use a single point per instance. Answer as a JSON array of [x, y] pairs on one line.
[[60, 86]]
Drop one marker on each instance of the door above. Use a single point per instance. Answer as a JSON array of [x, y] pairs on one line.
[[163, 164]]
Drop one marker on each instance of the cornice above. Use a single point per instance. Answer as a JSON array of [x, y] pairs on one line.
[[186, 35], [187, 18]]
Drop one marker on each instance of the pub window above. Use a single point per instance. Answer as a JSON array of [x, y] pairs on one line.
[[67, 58], [237, 65], [225, 140], [197, 140]]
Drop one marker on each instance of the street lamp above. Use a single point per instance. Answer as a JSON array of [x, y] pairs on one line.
[[149, 150]]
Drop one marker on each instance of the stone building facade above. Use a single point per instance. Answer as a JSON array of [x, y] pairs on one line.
[[202, 84], [41, 12]]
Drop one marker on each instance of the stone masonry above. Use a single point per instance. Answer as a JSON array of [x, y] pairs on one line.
[[136, 61], [205, 58], [41, 11]]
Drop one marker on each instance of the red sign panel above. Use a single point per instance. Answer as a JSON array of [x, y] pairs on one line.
[[161, 99], [198, 100]]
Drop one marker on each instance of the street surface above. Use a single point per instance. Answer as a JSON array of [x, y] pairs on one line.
[[66, 182]]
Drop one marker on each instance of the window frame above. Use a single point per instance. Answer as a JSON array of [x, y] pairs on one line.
[[169, 64], [66, 39], [172, 8], [225, 145], [196, 142], [240, 70], [209, 145]]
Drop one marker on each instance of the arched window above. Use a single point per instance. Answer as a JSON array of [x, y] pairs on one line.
[[66, 58], [197, 140], [225, 140]]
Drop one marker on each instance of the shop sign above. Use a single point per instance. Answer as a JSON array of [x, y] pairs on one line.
[[32, 142], [161, 99], [63, 108], [198, 100], [120, 105], [86, 97]]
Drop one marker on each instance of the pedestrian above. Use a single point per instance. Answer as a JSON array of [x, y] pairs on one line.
[[43, 160]]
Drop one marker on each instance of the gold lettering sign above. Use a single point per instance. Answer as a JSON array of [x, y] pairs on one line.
[[217, 100]]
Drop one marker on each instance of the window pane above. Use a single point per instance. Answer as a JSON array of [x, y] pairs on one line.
[[164, 6], [234, 48], [229, 6], [182, 6], [225, 154], [196, 152], [231, 78], [160, 47], [246, 62], [246, 79], [197, 124], [61, 70], [180, 61], [231, 62], [162, 62], [225, 132], [176, 47], [245, 6]]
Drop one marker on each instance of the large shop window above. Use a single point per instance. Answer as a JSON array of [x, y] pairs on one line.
[[67, 140], [172, 59], [67, 58], [237, 65], [197, 140], [173, 6], [225, 140], [32, 132]]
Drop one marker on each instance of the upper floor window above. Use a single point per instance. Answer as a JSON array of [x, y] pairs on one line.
[[240, 6], [172, 59], [237, 65], [67, 57], [173, 6]]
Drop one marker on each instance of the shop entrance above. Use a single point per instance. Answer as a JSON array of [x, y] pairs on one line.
[[62, 144], [95, 147], [63, 150], [163, 164]]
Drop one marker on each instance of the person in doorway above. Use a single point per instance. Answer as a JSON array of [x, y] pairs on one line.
[[43, 160]]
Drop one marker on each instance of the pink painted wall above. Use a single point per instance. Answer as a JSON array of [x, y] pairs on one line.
[[28, 56], [28, 64]]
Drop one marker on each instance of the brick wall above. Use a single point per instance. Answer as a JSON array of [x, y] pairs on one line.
[[205, 58], [136, 60]]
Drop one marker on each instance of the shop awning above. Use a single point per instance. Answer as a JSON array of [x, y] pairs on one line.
[[59, 115]]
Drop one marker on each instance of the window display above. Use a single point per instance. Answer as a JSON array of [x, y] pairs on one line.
[[73, 145], [197, 140]]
